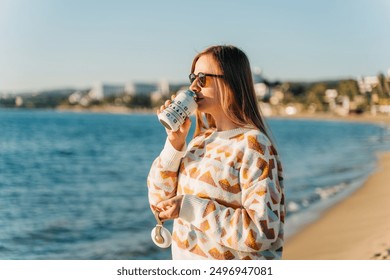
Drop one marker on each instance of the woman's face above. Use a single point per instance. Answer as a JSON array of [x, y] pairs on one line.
[[208, 101]]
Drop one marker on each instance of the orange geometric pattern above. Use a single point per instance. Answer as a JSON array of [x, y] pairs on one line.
[[233, 205]]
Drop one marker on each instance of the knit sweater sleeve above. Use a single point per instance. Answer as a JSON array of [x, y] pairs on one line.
[[162, 178], [255, 225]]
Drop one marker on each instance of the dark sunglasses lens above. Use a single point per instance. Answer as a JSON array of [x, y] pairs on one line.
[[192, 77], [202, 79]]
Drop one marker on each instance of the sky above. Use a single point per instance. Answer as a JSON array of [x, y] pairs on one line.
[[48, 44]]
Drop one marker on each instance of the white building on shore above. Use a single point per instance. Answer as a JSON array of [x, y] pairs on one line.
[[367, 83]]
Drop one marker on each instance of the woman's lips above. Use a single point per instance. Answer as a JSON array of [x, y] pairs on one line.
[[198, 98]]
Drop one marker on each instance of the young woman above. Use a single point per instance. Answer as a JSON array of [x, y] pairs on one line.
[[225, 189]]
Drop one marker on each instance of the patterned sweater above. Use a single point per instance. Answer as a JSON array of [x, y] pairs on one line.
[[233, 205]]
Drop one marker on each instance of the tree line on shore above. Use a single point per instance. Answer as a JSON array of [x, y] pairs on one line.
[[308, 95]]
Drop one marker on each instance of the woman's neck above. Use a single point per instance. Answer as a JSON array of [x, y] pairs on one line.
[[223, 123]]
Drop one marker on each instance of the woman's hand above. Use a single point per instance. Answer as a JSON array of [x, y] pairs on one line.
[[170, 209], [177, 138]]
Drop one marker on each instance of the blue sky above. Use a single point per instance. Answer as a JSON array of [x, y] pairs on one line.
[[47, 44]]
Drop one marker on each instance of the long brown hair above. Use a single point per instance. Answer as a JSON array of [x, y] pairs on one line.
[[236, 90]]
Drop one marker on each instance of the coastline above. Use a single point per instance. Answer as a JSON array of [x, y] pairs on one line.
[[107, 109], [112, 109], [357, 228]]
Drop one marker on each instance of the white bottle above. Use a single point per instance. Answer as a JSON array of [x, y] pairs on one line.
[[181, 107]]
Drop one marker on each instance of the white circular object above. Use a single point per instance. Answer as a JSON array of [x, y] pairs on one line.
[[166, 235]]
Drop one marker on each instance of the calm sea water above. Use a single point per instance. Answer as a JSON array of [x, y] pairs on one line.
[[73, 185]]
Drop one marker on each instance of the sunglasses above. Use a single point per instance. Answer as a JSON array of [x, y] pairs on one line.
[[202, 78]]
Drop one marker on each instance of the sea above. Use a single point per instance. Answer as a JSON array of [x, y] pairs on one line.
[[73, 185]]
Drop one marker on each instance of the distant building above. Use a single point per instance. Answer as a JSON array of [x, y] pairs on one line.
[[163, 87], [100, 90], [75, 97], [130, 88], [339, 105], [145, 88], [366, 84], [18, 101], [261, 85]]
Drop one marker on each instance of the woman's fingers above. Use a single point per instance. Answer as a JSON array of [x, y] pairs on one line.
[[163, 205], [166, 214], [162, 107], [170, 208], [185, 127], [166, 104]]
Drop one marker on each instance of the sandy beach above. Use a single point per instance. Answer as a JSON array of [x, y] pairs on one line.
[[357, 228]]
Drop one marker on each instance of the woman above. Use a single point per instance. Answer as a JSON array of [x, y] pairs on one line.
[[225, 190]]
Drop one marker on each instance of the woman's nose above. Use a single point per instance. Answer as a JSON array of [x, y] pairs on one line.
[[194, 86]]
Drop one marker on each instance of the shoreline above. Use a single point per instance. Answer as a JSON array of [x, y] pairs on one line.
[[363, 118], [107, 109], [356, 228], [380, 119]]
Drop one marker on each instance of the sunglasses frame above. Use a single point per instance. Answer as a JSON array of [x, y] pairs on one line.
[[202, 78]]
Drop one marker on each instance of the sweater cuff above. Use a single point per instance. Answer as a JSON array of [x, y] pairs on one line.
[[191, 205], [170, 156]]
